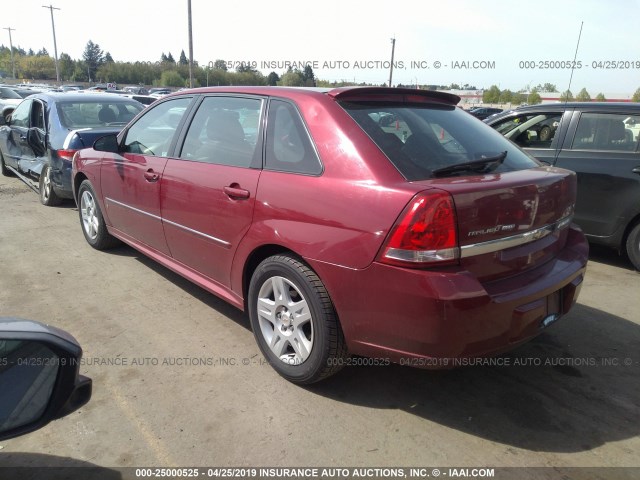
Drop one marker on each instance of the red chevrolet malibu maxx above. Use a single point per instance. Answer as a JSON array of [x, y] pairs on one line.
[[380, 222]]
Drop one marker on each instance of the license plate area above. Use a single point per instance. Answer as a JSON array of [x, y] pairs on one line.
[[554, 308]]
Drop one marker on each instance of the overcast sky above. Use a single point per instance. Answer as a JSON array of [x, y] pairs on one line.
[[498, 35]]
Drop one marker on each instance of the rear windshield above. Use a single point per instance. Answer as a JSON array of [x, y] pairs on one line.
[[419, 138], [84, 114], [7, 93]]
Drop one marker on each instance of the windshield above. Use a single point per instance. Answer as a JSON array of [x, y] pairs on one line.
[[7, 93], [419, 139], [83, 114]]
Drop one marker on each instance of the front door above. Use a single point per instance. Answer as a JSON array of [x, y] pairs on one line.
[[134, 177]]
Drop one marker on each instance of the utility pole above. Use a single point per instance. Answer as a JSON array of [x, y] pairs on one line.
[[55, 46], [190, 47], [13, 65], [393, 48]]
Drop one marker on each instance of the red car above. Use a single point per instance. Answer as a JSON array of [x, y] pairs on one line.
[[426, 238]]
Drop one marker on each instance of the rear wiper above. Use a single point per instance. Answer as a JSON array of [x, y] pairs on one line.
[[484, 165]]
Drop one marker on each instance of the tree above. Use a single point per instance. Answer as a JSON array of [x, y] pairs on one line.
[[506, 96], [170, 58], [37, 67], [66, 65], [308, 76], [583, 96], [549, 87], [600, 97], [93, 57], [245, 68], [163, 58], [492, 95], [171, 78], [636, 96], [42, 52], [220, 65], [183, 59], [272, 79], [566, 96], [534, 98], [293, 78], [108, 58]]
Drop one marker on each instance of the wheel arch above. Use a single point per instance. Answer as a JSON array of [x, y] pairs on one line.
[[627, 231], [77, 180], [255, 258]]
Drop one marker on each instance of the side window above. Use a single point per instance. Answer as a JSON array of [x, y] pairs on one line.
[[535, 130], [224, 131], [153, 132], [607, 131], [37, 115], [289, 148], [20, 116]]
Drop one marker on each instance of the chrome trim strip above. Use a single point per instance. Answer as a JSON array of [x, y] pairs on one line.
[[132, 208], [164, 220], [196, 232], [514, 240]]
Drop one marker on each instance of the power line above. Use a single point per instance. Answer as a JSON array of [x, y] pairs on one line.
[[190, 46], [393, 48], [55, 46], [13, 65]]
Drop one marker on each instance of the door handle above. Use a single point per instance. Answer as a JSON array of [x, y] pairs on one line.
[[234, 191], [636, 170], [151, 176]]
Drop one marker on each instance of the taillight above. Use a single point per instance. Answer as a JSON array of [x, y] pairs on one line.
[[425, 233], [66, 154]]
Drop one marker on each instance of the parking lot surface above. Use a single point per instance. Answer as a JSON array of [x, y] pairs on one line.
[[179, 380]]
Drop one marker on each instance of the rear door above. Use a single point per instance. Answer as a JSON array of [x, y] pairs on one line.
[[602, 147], [131, 181], [540, 132], [208, 190]]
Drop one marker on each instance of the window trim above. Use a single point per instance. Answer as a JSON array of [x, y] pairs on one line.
[[573, 129], [307, 131], [170, 150], [257, 162]]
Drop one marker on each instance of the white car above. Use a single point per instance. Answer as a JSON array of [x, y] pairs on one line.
[[8, 100]]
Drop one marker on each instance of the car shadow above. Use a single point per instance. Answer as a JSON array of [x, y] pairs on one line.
[[568, 390], [191, 288], [609, 256], [37, 466], [573, 388]]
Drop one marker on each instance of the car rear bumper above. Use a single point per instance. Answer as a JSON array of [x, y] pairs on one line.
[[403, 315], [61, 178]]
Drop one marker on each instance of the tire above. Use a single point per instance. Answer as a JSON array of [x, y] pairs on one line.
[[545, 133], [48, 195], [633, 246], [91, 219], [5, 171], [282, 289]]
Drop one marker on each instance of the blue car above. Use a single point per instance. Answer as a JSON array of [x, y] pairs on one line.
[[39, 139]]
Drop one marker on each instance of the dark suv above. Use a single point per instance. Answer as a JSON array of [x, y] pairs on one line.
[[484, 112], [599, 141]]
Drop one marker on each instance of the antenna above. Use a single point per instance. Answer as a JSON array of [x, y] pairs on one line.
[[575, 55]]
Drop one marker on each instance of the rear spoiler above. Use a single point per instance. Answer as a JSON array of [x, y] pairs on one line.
[[407, 95]]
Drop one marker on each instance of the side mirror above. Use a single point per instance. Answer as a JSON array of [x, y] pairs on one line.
[[108, 143], [4, 120], [39, 377]]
